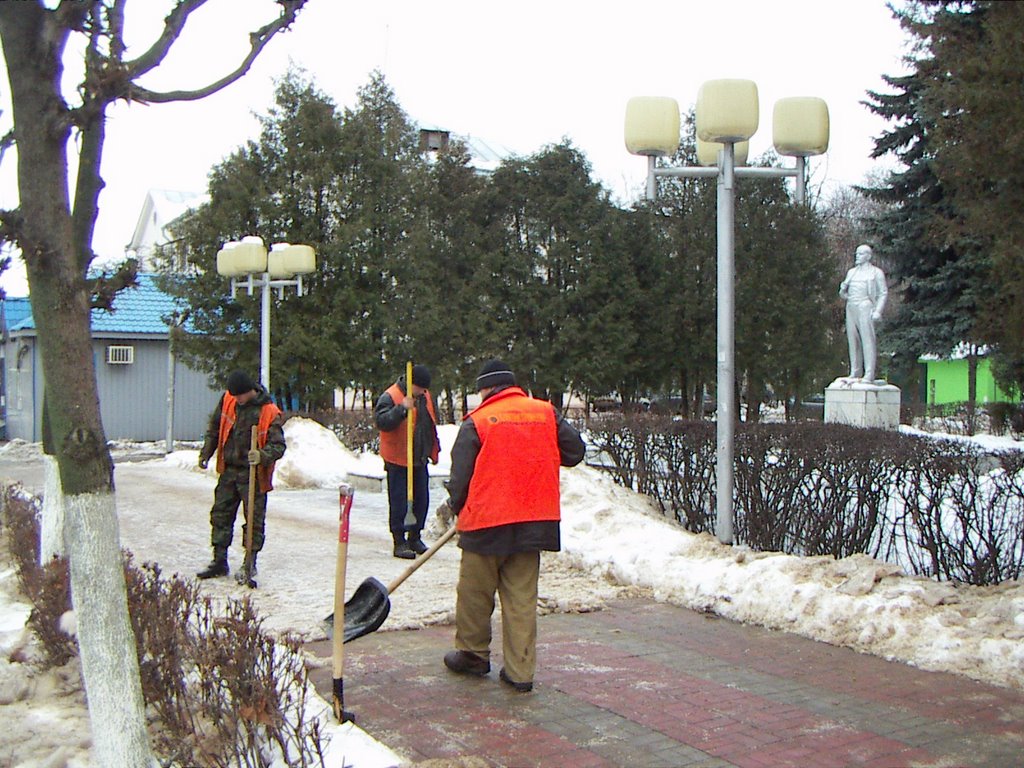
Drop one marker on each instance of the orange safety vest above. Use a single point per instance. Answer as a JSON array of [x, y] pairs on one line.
[[268, 412], [515, 479], [393, 447]]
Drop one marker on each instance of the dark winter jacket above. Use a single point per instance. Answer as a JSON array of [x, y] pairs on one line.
[[391, 416], [236, 447], [513, 537]]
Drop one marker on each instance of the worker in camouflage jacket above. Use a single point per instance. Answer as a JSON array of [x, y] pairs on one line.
[[244, 405]]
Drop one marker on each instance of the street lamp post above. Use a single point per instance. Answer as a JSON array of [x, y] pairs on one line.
[[249, 266], [727, 116]]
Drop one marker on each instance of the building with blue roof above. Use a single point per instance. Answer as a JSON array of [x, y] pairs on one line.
[[134, 365]]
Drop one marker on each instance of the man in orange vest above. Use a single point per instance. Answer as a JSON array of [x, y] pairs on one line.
[[245, 404], [392, 417], [504, 488]]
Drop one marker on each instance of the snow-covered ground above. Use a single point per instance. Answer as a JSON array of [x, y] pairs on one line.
[[614, 543]]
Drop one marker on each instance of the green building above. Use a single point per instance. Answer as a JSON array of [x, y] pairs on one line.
[[945, 381]]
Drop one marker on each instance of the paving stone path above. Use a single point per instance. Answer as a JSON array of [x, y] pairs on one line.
[[648, 684]]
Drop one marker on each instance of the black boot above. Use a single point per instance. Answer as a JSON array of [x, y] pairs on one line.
[[416, 543], [402, 548], [218, 566]]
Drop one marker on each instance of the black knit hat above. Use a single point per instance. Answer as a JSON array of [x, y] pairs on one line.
[[239, 383], [421, 376], [495, 374]]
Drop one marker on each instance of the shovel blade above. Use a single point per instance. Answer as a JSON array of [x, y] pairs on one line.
[[365, 611]]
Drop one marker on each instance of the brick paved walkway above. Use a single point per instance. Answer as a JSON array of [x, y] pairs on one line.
[[647, 684]]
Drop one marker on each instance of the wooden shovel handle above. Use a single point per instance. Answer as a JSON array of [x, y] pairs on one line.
[[254, 444], [421, 559], [410, 428]]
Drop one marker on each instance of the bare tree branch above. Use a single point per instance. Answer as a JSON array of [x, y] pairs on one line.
[[104, 288], [258, 40], [115, 23], [6, 143], [12, 225], [71, 15], [173, 25]]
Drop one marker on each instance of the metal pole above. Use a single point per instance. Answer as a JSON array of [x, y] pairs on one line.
[[801, 180], [265, 334], [169, 439], [652, 181], [726, 343]]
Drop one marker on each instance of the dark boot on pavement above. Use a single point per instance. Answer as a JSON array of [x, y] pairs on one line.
[[521, 687], [218, 566], [402, 548], [416, 543], [466, 663]]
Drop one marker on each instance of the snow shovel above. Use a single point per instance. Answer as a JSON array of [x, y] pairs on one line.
[[369, 605], [410, 516], [245, 576], [345, 493]]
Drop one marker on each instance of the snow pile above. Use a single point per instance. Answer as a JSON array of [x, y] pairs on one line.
[[315, 457], [857, 602]]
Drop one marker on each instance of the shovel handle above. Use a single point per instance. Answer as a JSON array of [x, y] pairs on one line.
[[253, 445], [421, 559], [410, 428]]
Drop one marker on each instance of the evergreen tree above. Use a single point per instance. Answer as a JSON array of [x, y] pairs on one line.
[[447, 283], [548, 218], [937, 277], [381, 193], [282, 188], [646, 294], [784, 295], [688, 209], [975, 96]]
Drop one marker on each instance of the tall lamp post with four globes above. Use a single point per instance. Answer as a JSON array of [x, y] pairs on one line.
[[727, 116], [250, 266]]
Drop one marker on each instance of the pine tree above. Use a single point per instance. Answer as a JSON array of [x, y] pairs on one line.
[[936, 277], [283, 188], [447, 284], [547, 212], [381, 194], [975, 97]]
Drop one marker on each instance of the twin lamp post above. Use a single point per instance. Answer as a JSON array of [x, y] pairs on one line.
[[727, 116], [250, 266]]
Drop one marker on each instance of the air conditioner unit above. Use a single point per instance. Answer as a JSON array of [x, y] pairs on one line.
[[120, 355]]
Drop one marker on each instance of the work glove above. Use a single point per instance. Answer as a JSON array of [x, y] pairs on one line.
[[445, 513], [203, 462], [254, 457]]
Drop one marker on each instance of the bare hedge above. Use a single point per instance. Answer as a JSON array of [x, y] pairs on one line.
[[936, 507], [223, 692]]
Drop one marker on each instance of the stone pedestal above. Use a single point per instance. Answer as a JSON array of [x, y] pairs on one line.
[[862, 403]]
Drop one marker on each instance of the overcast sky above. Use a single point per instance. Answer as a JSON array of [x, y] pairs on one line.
[[522, 74]]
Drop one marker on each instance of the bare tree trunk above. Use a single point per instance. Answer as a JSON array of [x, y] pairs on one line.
[[60, 308], [51, 528], [55, 241]]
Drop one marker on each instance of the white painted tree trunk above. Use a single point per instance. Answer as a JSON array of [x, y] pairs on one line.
[[105, 639], [51, 528]]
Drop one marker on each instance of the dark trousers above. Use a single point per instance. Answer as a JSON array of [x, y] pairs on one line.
[[398, 501], [233, 489]]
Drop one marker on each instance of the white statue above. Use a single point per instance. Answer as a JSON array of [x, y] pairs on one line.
[[865, 292]]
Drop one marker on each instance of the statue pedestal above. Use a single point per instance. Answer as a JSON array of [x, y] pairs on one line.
[[862, 403]]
